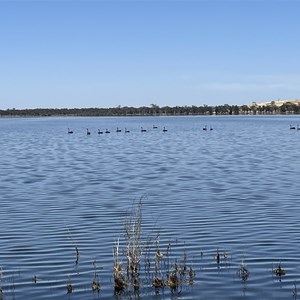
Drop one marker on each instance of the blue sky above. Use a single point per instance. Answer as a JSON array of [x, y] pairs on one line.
[[58, 54]]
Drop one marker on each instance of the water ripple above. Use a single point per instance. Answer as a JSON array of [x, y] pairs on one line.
[[234, 190]]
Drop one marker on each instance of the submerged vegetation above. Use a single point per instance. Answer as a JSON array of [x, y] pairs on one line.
[[280, 107]]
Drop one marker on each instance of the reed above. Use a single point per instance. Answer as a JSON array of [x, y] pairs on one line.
[[133, 234], [129, 277], [279, 271], [69, 286], [96, 283], [294, 291], [158, 281], [243, 272], [74, 245], [160, 267], [119, 278]]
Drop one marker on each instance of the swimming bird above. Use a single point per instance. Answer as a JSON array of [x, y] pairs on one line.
[[298, 128], [154, 127], [107, 131], [143, 130], [292, 127], [100, 132], [70, 131], [118, 130], [165, 130], [88, 132], [126, 130], [205, 127], [210, 128]]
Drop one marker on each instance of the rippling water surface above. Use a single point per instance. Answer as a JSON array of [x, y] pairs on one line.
[[235, 189]]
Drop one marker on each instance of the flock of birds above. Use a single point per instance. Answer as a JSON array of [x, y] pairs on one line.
[[205, 128], [88, 132]]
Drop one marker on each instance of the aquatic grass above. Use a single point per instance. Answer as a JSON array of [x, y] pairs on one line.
[[34, 279], [218, 257], [74, 245], [192, 274], [118, 274], [243, 272], [158, 281], [133, 236], [278, 271], [133, 251], [294, 291], [69, 286], [96, 283], [147, 253]]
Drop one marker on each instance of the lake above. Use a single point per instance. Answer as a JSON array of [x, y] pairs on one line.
[[232, 192]]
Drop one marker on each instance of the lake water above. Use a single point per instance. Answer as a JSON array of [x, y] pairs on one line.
[[232, 190]]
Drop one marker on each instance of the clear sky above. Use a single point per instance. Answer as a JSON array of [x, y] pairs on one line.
[[57, 54]]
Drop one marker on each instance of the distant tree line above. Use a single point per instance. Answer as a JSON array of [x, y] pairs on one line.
[[155, 110]]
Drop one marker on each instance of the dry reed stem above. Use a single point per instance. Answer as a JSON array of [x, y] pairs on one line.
[[243, 271], [128, 276], [294, 292], [119, 280]]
